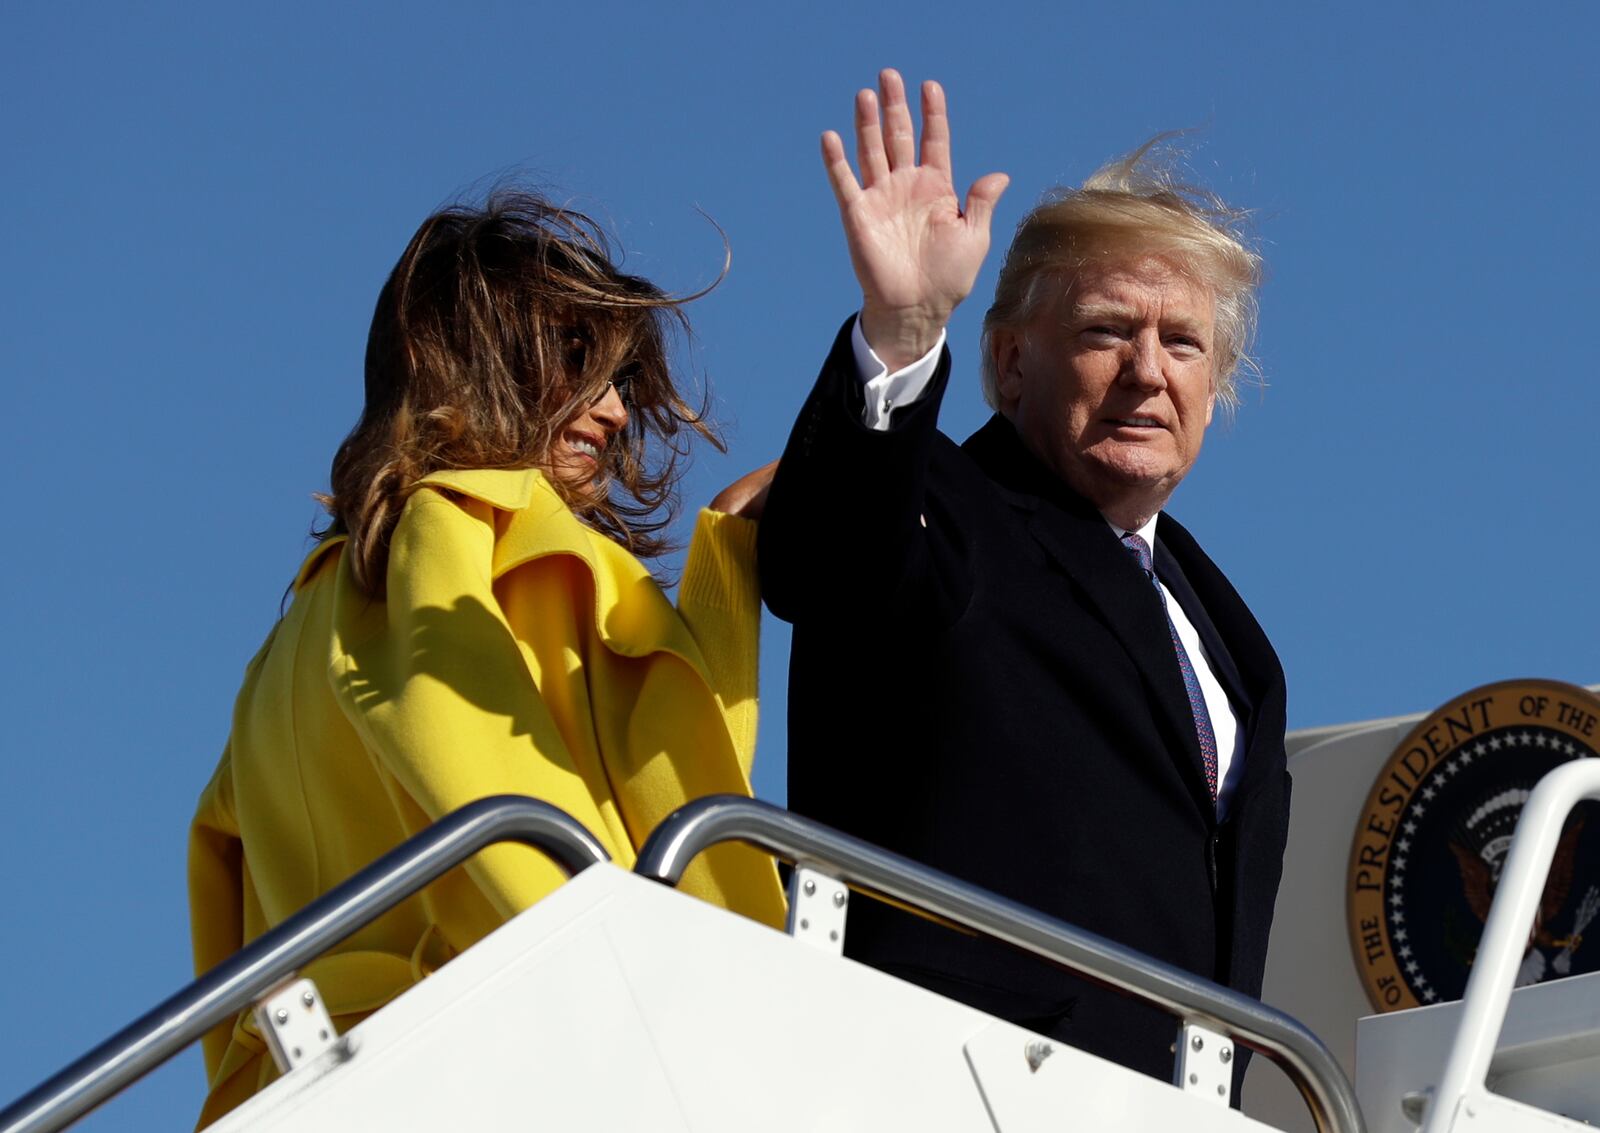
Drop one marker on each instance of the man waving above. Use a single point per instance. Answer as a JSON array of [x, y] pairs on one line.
[[1008, 661]]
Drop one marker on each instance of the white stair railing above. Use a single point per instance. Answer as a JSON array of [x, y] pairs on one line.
[[1462, 1099], [266, 962], [706, 822]]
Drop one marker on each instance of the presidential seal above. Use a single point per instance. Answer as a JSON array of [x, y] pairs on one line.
[[1435, 830]]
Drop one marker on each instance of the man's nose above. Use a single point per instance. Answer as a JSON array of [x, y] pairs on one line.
[[1143, 367]]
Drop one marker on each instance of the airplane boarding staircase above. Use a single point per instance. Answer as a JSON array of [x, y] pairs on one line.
[[617, 1003]]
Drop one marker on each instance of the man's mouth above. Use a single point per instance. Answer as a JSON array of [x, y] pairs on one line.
[[1136, 422]]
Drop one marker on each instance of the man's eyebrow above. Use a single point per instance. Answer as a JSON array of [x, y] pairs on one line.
[[1095, 312], [1091, 313]]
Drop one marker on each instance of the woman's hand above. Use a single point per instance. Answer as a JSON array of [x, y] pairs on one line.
[[916, 252], [747, 496]]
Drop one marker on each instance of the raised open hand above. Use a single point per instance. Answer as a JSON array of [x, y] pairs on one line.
[[915, 250]]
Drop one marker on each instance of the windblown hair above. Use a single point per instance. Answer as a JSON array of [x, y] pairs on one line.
[[498, 326], [1134, 207]]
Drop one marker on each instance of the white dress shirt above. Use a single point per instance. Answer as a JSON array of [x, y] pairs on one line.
[[884, 392]]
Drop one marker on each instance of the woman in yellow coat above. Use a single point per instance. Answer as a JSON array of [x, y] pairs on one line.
[[475, 621]]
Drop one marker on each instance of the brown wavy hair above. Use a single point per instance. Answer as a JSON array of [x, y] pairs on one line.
[[499, 325]]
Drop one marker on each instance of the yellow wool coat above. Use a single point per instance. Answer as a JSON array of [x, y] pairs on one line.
[[516, 651]]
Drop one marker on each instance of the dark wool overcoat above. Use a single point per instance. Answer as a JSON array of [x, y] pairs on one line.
[[982, 679]]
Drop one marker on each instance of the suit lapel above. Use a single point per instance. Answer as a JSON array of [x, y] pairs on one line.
[[1171, 572], [1078, 539], [1244, 660]]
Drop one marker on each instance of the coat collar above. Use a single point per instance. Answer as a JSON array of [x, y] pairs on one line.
[[633, 616], [534, 520], [1249, 666], [510, 490], [1080, 541]]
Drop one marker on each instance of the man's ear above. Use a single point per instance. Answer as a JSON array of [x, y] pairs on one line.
[[1006, 345]]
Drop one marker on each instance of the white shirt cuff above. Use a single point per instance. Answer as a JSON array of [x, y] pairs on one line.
[[885, 391]]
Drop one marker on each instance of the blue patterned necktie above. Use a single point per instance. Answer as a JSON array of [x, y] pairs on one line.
[[1140, 550]]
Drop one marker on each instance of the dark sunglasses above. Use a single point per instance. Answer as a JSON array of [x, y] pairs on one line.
[[623, 384], [578, 348]]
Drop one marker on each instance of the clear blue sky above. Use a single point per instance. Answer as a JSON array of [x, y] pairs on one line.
[[201, 202]]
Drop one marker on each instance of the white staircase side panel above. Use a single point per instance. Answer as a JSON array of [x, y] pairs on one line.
[[1548, 1057], [619, 1004], [1310, 973], [1491, 1113], [1071, 1090]]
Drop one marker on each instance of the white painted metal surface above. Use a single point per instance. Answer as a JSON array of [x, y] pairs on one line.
[[1205, 1064], [295, 1024], [818, 908], [1067, 1090], [619, 1004], [1548, 1054], [1462, 1099], [1310, 973]]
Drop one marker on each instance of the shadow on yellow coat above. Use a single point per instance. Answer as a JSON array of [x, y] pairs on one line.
[[516, 651]]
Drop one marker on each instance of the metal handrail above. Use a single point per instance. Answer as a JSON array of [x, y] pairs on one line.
[[722, 818], [244, 977], [1505, 935]]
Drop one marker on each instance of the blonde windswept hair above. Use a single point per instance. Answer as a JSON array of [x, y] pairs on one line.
[[1133, 206]]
